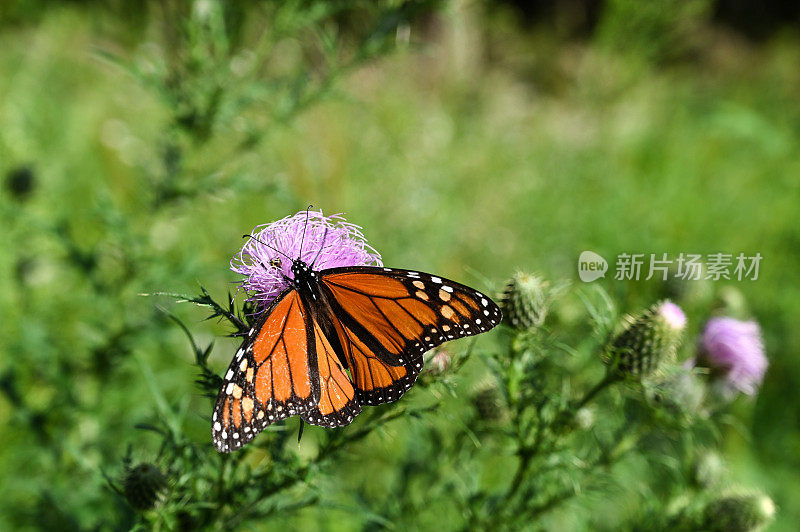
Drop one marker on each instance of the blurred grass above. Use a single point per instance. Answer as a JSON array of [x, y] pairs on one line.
[[480, 149]]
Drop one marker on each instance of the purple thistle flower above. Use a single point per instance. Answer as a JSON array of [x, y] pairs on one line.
[[735, 350], [327, 241]]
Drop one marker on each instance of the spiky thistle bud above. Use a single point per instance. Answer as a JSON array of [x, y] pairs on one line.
[[647, 340], [488, 403], [526, 300], [746, 512], [20, 182], [144, 485]]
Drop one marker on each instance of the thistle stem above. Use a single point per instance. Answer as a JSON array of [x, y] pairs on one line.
[[609, 379]]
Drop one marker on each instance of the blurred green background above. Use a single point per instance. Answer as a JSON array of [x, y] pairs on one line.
[[139, 140]]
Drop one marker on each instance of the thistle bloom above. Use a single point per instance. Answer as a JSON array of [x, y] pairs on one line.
[[326, 241], [673, 315], [735, 350]]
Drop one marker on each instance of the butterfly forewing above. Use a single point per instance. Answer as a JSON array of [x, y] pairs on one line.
[[272, 376], [338, 404], [389, 317]]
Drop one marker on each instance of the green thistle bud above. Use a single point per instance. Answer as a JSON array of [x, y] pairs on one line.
[[746, 512], [488, 403], [526, 300], [677, 390], [144, 485], [730, 301], [647, 340]]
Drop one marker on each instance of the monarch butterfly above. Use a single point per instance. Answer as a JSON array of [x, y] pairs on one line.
[[339, 338]]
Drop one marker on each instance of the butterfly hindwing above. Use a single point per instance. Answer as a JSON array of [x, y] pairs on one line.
[[273, 376], [388, 318], [338, 404]]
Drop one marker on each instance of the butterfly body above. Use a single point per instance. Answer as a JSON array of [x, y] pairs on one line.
[[317, 303], [337, 339]]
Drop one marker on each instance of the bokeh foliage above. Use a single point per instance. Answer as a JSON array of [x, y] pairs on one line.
[[138, 141]]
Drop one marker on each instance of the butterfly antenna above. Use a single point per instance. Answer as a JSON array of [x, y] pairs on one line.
[[302, 238], [321, 247], [270, 247]]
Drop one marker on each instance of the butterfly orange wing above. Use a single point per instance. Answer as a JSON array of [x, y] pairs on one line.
[[338, 404], [273, 376], [387, 318]]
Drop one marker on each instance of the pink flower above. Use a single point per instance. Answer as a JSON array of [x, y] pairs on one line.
[[320, 241], [673, 315], [735, 350]]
